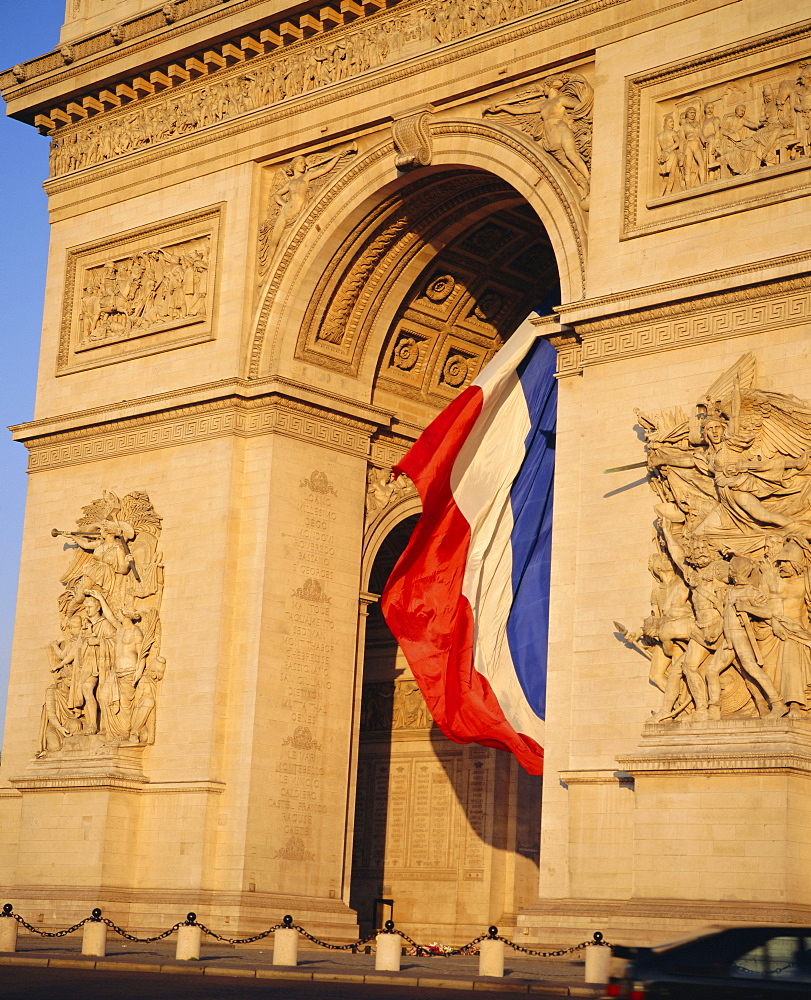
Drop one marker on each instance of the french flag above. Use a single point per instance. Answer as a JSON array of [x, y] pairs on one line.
[[468, 601]]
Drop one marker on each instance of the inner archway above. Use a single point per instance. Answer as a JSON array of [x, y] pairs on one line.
[[445, 836]]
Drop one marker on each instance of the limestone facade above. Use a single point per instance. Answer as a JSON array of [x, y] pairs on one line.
[[283, 239]]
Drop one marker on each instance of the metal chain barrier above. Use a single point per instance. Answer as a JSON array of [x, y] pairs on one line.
[[419, 950], [141, 940]]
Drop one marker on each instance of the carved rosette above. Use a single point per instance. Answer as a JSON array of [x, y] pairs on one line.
[[106, 665], [456, 369]]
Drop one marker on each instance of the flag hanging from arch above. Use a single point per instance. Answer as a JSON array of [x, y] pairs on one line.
[[468, 601]]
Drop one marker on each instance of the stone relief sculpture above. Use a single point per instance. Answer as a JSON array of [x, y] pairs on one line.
[[729, 631], [294, 188], [558, 114], [107, 665], [279, 76], [383, 489], [393, 705], [144, 292], [746, 127], [412, 140]]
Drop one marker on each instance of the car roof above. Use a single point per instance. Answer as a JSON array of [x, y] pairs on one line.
[[719, 934]]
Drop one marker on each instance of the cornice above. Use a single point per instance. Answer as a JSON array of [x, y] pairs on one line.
[[128, 37], [686, 293], [719, 763], [224, 409], [733, 305], [31, 783], [479, 40]]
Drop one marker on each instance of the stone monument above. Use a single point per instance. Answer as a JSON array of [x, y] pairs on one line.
[[283, 239]]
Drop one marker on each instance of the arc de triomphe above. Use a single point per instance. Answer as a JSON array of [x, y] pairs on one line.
[[283, 238]]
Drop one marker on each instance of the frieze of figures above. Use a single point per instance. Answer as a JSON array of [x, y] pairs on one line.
[[733, 130], [106, 664], [729, 634], [268, 80], [144, 292]]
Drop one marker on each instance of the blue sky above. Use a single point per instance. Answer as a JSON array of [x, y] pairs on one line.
[[26, 29]]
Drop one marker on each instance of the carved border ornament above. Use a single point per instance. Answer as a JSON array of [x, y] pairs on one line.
[[263, 68]]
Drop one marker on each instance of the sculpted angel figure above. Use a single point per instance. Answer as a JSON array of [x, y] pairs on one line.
[[292, 192], [733, 482], [559, 115], [757, 461]]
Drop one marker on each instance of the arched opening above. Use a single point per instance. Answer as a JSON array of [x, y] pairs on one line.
[[446, 837]]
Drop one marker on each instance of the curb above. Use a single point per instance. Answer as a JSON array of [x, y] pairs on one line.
[[376, 978]]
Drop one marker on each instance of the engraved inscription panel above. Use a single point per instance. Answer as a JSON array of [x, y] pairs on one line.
[[303, 778]]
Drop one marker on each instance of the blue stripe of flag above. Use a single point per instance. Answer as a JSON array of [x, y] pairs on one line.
[[531, 499]]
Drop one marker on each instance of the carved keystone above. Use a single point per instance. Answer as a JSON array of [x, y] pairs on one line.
[[412, 140]]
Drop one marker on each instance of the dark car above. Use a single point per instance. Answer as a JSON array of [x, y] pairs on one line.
[[740, 963]]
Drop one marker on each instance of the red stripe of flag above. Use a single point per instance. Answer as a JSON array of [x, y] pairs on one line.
[[423, 603]]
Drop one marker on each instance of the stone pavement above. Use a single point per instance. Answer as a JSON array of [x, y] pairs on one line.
[[523, 974]]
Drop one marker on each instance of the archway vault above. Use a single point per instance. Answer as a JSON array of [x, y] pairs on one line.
[[333, 293]]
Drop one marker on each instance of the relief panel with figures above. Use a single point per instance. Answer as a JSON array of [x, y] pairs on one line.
[[140, 292]]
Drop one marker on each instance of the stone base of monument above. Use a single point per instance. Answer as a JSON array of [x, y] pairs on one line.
[[708, 826], [720, 808], [85, 755]]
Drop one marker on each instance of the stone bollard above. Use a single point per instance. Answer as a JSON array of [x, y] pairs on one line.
[[285, 943], [8, 929], [598, 960], [389, 949], [188, 939], [94, 936], [491, 954]]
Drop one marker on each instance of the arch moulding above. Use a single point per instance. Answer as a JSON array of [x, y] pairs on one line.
[[284, 315]]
